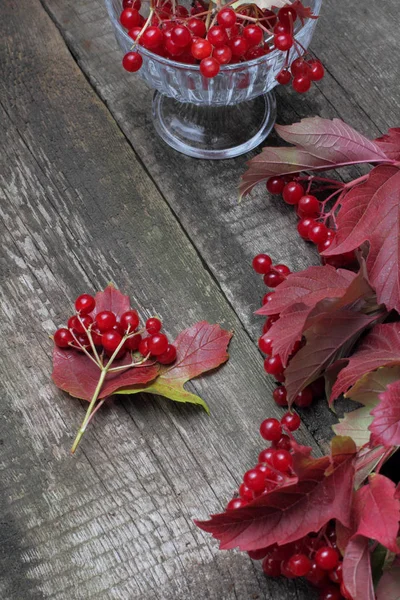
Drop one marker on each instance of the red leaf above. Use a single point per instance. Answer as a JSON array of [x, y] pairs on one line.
[[111, 299], [385, 428], [389, 584], [321, 144], [331, 333], [76, 374], [390, 143], [371, 212], [357, 575], [380, 348], [323, 492], [303, 12]]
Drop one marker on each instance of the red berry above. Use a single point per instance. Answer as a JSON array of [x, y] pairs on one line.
[[292, 192], [201, 49], [330, 593], [181, 36], [96, 337], [282, 461], [280, 396], [344, 592], [337, 574], [266, 455], [267, 298], [129, 321], [299, 67], [144, 346], [269, 322], [283, 41], [273, 365], [255, 52], [236, 503], [282, 270], [217, 36], [299, 564], [197, 27], [172, 48], [158, 344], [63, 338], [255, 480], [245, 492], [253, 35], [167, 357], [226, 17], [153, 325], [283, 443], [129, 18], [273, 279], [83, 323], [301, 84], [265, 344], [304, 226], [281, 28], [275, 185], [209, 67], [304, 398], [111, 340], [283, 77], [132, 4], [318, 233], [327, 558], [324, 245], [132, 62], [153, 37], [181, 11], [316, 71], [239, 46], [291, 421], [271, 567], [222, 54], [286, 572], [258, 554], [84, 304], [262, 264], [308, 206], [316, 576], [271, 430], [287, 15], [132, 343], [72, 321], [134, 32], [271, 18]]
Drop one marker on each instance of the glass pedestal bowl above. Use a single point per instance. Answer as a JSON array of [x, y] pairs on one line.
[[214, 118]]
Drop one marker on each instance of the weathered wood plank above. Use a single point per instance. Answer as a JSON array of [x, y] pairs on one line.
[[78, 210]]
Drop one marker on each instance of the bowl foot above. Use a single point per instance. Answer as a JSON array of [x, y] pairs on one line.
[[214, 132]]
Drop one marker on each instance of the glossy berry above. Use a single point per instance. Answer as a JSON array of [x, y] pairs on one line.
[[299, 564], [304, 398], [282, 461], [217, 36], [286, 572], [236, 503], [144, 346], [324, 245], [282, 270], [262, 264], [83, 323], [287, 15], [129, 320], [283, 41], [245, 492], [308, 206], [253, 35], [201, 49], [153, 325], [134, 32], [273, 365], [291, 421], [275, 185], [63, 338], [336, 575], [132, 62], [330, 593], [266, 455], [292, 192], [301, 84], [209, 67], [255, 480], [84, 304], [304, 226], [267, 298], [132, 343], [283, 443], [316, 71], [172, 48], [255, 52], [226, 17], [281, 28], [327, 558], [130, 18], [317, 576], [111, 340], [271, 567], [197, 27], [273, 279], [158, 344], [280, 396], [299, 67], [258, 554], [153, 37], [132, 4], [284, 77], [167, 357], [271, 430], [181, 36], [223, 55], [318, 233], [239, 46], [265, 344]]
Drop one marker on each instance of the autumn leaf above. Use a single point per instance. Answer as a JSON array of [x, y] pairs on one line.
[[320, 145], [200, 348], [390, 143], [357, 574], [113, 300], [303, 12], [323, 492], [370, 212], [385, 428]]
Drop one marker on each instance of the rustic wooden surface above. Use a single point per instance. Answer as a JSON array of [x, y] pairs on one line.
[[89, 194]]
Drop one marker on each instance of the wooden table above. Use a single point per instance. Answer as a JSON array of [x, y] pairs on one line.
[[89, 195]]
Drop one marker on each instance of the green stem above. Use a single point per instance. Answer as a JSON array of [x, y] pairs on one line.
[[89, 411]]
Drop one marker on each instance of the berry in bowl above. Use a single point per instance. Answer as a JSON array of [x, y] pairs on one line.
[[213, 66]]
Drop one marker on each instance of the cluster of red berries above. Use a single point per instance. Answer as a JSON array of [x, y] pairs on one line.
[[103, 332], [213, 38], [314, 557]]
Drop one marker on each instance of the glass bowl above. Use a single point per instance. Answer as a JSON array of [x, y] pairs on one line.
[[214, 118]]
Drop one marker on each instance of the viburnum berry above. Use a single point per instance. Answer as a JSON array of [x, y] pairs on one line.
[[245, 492], [266, 455], [316, 70], [129, 320], [273, 365], [271, 567], [280, 396], [255, 480], [299, 67], [158, 344], [111, 340], [269, 322], [201, 49], [172, 48], [132, 62], [317, 576], [330, 593], [287, 15], [291, 421], [308, 206], [239, 46], [133, 343], [282, 270], [304, 398], [255, 52], [282, 461], [134, 32], [153, 37], [327, 558], [181, 11], [167, 357], [253, 35], [265, 344], [271, 430], [292, 192], [304, 226], [209, 67], [226, 17], [283, 41], [63, 338], [267, 298], [84, 304], [262, 264], [153, 325], [301, 84], [283, 443], [275, 185], [258, 554], [286, 572], [284, 77], [129, 18], [281, 28], [318, 233], [324, 245], [336, 575], [217, 36], [344, 592], [299, 564], [223, 55], [181, 36], [83, 323], [132, 4], [273, 279], [236, 503], [197, 27]]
